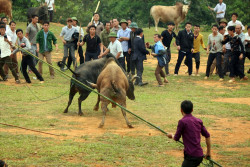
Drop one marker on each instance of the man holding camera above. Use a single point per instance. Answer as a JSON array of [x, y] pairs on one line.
[[5, 52]]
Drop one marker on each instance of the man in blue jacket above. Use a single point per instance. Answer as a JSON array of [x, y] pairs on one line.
[[184, 42], [139, 56]]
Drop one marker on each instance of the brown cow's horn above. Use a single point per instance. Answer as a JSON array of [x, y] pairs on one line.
[[134, 77]]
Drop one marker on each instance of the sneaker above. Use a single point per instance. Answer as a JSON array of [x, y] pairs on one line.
[[142, 83], [175, 75], [18, 81], [198, 75], [205, 78], [34, 78], [231, 80], [193, 75], [41, 82], [244, 78], [221, 79]]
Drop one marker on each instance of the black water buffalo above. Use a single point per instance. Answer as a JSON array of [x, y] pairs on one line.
[[41, 12], [88, 73]]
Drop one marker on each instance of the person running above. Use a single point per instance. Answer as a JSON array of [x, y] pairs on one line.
[[44, 40], [185, 46], [214, 51], [27, 60], [160, 53], [167, 36], [190, 129], [198, 41], [5, 52]]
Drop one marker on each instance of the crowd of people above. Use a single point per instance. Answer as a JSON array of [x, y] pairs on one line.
[[227, 46]]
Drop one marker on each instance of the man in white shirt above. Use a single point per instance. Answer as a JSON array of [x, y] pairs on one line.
[[5, 48], [220, 10], [12, 34], [234, 21], [115, 47], [5, 20], [247, 44], [51, 8]]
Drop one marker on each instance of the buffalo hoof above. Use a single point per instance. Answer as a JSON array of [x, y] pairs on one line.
[[65, 111], [80, 113], [100, 126], [96, 108], [130, 126]]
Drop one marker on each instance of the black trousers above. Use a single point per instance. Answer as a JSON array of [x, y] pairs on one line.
[[196, 57], [128, 60], [189, 61], [235, 68], [89, 56], [218, 57], [80, 52], [168, 60], [139, 69], [227, 57], [121, 60], [51, 14], [190, 161], [132, 63], [28, 61]]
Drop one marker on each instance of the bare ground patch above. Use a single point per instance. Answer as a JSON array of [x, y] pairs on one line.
[[234, 100]]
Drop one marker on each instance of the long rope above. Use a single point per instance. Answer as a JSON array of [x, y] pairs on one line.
[[92, 90]]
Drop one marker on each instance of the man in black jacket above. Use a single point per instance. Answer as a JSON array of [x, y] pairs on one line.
[[139, 56], [184, 42]]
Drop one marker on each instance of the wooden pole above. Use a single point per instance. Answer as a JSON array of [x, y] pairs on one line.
[[75, 65], [95, 11]]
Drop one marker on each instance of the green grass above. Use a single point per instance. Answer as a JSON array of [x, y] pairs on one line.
[[159, 105]]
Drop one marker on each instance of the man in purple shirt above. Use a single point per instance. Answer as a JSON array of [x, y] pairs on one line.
[[190, 128]]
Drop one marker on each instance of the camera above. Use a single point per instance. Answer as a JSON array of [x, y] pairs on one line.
[[5, 36]]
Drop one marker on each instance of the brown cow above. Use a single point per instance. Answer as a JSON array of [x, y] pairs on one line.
[[6, 8], [176, 13], [113, 83]]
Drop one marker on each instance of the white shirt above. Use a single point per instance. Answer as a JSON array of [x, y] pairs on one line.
[[220, 8], [247, 37], [50, 4], [115, 48], [4, 47], [12, 35], [231, 23]]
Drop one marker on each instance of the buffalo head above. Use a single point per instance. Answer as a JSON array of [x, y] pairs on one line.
[[130, 91]]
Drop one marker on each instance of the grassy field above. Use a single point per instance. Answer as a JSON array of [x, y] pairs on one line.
[[223, 107]]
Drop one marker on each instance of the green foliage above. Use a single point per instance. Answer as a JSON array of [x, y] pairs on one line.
[[138, 11]]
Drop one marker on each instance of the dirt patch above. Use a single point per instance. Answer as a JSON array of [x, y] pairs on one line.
[[233, 100], [217, 84]]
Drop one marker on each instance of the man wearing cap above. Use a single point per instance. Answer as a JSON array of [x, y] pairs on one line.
[[80, 50], [99, 25], [68, 41], [133, 26], [220, 10], [115, 47], [116, 26], [105, 37], [167, 36], [123, 36]]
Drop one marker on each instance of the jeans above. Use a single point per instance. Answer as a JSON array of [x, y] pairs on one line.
[[189, 61], [210, 60], [227, 57], [168, 60], [34, 52], [7, 60], [28, 61], [235, 66], [139, 69], [69, 47]]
